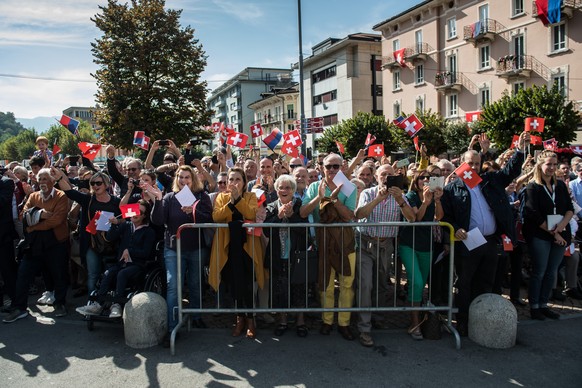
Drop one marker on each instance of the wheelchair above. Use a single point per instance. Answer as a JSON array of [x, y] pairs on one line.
[[151, 279]]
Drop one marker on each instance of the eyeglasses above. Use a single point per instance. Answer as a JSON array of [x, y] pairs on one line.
[[96, 183], [334, 166], [221, 183], [424, 177], [295, 165], [131, 169]]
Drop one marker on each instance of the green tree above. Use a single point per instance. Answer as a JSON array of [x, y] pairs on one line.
[[19, 147], [505, 117], [352, 134], [149, 74], [67, 142], [457, 137], [9, 126], [431, 134]]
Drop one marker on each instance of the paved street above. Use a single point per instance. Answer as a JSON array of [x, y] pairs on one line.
[[39, 351]]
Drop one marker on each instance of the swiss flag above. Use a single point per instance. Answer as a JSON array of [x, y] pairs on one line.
[[216, 127], [237, 139], [471, 117], [470, 177], [577, 149], [550, 144], [376, 150], [399, 57], [145, 143], [92, 226], [89, 150], [256, 130], [225, 132], [261, 197], [515, 141], [507, 244], [56, 149], [370, 139], [416, 145], [534, 124], [130, 210], [412, 125], [292, 138], [340, 147], [290, 150], [536, 140]]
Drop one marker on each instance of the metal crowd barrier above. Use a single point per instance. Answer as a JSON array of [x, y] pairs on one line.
[[184, 314]]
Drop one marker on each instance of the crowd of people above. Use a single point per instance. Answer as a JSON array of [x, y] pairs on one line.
[[526, 208]]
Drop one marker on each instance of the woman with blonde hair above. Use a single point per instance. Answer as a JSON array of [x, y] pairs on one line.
[[547, 213], [237, 256], [171, 213]]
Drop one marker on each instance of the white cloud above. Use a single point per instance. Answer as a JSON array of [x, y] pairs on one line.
[[246, 12]]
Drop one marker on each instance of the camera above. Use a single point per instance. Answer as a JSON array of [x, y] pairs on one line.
[[164, 143], [193, 142], [135, 182]]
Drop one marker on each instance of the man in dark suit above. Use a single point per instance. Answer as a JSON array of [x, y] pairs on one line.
[[8, 267], [484, 207]]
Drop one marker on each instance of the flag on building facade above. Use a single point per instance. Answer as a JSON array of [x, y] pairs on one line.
[[399, 57]]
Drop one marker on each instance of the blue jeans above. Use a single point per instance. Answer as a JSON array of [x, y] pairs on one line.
[[191, 272], [95, 263], [545, 260]]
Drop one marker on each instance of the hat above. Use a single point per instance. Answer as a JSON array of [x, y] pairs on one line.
[[170, 157], [32, 216]]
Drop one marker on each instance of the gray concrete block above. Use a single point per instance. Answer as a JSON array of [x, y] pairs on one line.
[[145, 320], [493, 321]]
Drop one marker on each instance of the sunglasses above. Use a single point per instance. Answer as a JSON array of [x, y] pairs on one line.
[[221, 183], [295, 165], [131, 169], [424, 177], [334, 166], [96, 183]]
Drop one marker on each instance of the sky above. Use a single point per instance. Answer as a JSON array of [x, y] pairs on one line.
[[46, 60]]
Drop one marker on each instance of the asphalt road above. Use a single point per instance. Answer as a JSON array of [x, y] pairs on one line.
[[39, 351]]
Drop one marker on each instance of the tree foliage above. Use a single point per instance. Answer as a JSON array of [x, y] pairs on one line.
[[505, 117], [67, 142], [457, 137], [431, 134], [149, 74], [19, 147], [9, 126], [352, 134]]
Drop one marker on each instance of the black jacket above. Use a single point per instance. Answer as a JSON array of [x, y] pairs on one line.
[[139, 243], [456, 200]]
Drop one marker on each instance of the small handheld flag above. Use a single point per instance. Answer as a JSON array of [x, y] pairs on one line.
[[256, 130], [273, 139], [534, 124], [237, 139], [130, 210], [376, 150], [470, 177], [71, 124]]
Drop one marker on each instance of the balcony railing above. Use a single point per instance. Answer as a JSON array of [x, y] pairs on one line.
[[520, 65], [568, 7], [445, 78], [268, 119], [482, 30], [417, 52]]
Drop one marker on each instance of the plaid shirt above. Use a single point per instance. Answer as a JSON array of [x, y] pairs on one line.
[[386, 211]]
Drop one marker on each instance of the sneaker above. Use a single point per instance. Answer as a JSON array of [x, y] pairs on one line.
[[93, 308], [115, 311], [573, 293], [15, 315], [47, 298], [366, 340], [60, 310], [549, 313]]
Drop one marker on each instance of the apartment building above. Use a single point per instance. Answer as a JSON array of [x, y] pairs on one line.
[[340, 78], [277, 108], [453, 56], [230, 101], [83, 113]]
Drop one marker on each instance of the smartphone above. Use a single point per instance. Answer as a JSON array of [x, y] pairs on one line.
[[164, 143], [395, 180], [188, 158], [214, 159], [84, 184], [436, 182], [402, 163]]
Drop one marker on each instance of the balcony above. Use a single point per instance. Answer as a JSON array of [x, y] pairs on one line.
[[568, 8], [482, 31], [447, 81], [417, 53], [390, 63], [520, 66], [219, 103]]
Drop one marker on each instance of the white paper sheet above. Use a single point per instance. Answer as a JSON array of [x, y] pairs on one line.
[[185, 197], [103, 224], [474, 239], [553, 220], [347, 187]]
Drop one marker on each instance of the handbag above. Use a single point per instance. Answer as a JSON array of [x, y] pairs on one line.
[[101, 246], [304, 267]]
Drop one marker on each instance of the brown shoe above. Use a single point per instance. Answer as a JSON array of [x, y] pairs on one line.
[[251, 329], [325, 329], [346, 332], [239, 327]]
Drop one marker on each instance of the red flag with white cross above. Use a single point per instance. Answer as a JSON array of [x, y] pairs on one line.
[[292, 138], [466, 173], [376, 150], [340, 147], [507, 244], [237, 139], [412, 125], [577, 149], [92, 226], [550, 144], [399, 57], [145, 143], [89, 150], [536, 140], [256, 130], [471, 117], [288, 149], [515, 141], [130, 210], [534, 124], [370, 139]]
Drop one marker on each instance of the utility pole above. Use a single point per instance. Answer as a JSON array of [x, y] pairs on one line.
[[301, 101]]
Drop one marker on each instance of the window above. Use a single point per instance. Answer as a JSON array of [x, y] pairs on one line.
[[560, 81], [418, 41], [484, 13], [516, 7], [395, 45], [329, 120], [452, 105], [484, 96], [518, 86], [484, 57], [396, 108], [290, 111], [419, 74], [559, 37], [420, 104], [323, 74], [452, 28], [396, 80]]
